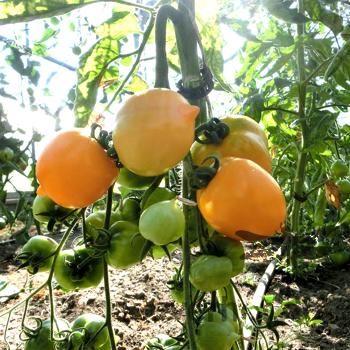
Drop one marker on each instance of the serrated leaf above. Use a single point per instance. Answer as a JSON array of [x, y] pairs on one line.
[[281, 61], [39, 49], [120, 25], [137, 84], [92, 66], [318, 12], [319, 130], [29, 10]]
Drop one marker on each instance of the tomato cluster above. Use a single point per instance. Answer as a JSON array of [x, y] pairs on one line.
[[154, 131]]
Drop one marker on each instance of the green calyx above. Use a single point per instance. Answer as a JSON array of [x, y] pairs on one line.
[[214, 132], [202, 175], [104, 138]]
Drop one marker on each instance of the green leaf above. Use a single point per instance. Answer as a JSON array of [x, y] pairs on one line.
[[40, 50], [29, 10], [3, 93], [285, 56], [55, 21], [14, 60], [7, 291], [120, 25], [207, 15], [48, 34], [253, 107], [319, 129], [280, 9], [137, 84], [71, 26], [126, 61], [92, 67], [341, 56], [240, 27], [319, 13]]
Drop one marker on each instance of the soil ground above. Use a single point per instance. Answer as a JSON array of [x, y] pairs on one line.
[[143, 307]]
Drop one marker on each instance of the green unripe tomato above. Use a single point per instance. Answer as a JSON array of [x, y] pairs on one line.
[[215, 332], [322, 248], [130, 210], [6, 155], [44, 209], [339, 168], [76, 50], [343, 186], [162, 223], [209, 272], [160, 194], [128, 179], [2, 223], [97, 219], [340, 258], [158, 251], [42, 247]]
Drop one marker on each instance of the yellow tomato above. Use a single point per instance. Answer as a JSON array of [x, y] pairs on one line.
[[246, 139], [154, 130], [242, 201]]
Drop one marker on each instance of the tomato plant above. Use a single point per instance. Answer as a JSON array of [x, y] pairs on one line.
[[148, 125], [124, 249], [162, 222], [76, 269], [246, 140], [71, 163], [158, 195], [2, 223], [34, 253], [129, 210], [6, 155], [242, 201], [343, 186]]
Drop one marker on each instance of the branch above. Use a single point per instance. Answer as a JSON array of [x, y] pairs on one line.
[[281, 109], [28, 51]]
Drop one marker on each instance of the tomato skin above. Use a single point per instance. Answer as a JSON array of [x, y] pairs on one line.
[[215, 332], [128, 179], [245, 140], [147, 127], [6, 155], [209, 272], [42, 340], [71, 163], [322, 248], [340, 258], [91, 272], [96, 220], [43, 246], [242, 201], [44, 204], [124, 251], [2, 223], [162, 223], [339, 168], [343, 186], [130, 210], [158, 195], [231, 249]]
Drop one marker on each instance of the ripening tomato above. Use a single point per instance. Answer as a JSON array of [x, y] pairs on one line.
[[74, 170], [242, 201], [154, 130], [246, 140]]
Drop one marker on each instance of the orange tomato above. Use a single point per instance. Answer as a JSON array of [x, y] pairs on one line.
[[154, 130], [246, 139], [74, 170], [242, 201]]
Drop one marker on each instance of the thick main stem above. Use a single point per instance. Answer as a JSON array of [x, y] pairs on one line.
[[300, 175]]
